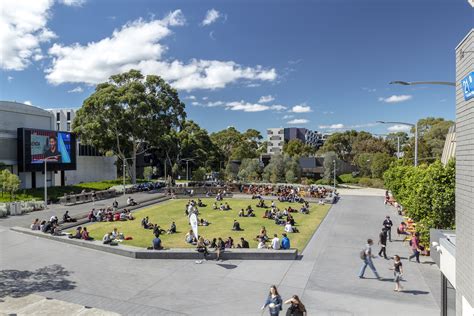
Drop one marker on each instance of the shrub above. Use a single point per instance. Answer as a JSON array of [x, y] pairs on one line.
[[348, 178]]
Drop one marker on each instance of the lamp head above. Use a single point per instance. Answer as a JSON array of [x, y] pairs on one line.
[[403, 83]]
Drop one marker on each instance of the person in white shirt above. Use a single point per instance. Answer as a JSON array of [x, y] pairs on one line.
[[261, 244], [288, 228], [275, 242], [273, 204]]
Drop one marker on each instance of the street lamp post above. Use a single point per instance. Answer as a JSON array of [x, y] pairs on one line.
[[416, 136], [411, 83], [187, 166], [398, 143], [334, 161]]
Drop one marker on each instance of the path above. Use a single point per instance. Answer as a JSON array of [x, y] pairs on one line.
[[326, 277]]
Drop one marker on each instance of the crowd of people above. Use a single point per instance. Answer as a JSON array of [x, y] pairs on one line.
[[286, 193]]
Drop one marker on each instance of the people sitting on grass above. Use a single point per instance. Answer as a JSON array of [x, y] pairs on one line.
[[275, 242], [85, 234], [35, 225], [203, 222], [172, 229], [290, 219], [285, 242], [213, 243], [156, 243], [290, 228], [262, 234], [56, 230], [241, 213], [109, 216], [43, 223], [243, 243], [77, 234], [236, 226], [261, 203], [200, 204], [261, 244], [47, 227], [250, 213], [321, 201], [157, 231], [54, 220], [190, 238], [267, 214], [67, 218], [131, 201], [107, 239], [91, 216], [146, 224], [117, 217], [117, 235], [304, 209], [214, 206], [229, 243]]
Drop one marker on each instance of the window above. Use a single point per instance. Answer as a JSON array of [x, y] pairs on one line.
[[68, 116], [270, 132], [68, 127], [275, 138], [57, 126], [58, 116]]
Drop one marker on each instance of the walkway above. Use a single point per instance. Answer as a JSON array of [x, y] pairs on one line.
[[325, 278]]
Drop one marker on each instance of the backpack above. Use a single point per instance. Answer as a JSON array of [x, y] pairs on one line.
[[362, 254]]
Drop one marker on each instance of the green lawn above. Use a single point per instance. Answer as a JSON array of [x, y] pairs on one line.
[[220, 223]]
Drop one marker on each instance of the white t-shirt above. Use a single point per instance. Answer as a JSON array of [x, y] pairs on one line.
[[276, 243], [288, 228], [261, 245]]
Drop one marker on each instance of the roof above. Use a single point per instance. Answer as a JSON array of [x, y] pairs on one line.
[[465, 38], [10, 106]]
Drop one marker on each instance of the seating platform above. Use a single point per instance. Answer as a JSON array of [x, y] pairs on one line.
[[172, 253]]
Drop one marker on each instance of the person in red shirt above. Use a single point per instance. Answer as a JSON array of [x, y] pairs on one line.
[[415, 247], [85, 234]]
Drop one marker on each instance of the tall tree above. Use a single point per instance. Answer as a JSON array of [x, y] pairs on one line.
[[128, 113]]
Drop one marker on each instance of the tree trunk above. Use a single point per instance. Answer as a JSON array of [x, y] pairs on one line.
[[133, 170]]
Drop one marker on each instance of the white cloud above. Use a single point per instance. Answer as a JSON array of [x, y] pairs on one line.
[[253, 85], [205, 98], [332, 126], [9, 78], [190, 97], [27, 102], [297, 121], [211, 35], [97, 61], [266, 99], [396, 98], [252, 107], [211, 17], [22, 31], [285, 117], [301, 108], [195, 103], [73, 3], [399, 128], [76, 90]]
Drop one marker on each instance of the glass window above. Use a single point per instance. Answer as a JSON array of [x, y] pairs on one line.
[[68, 127], [58, 116], [57, 126], [68, 116]]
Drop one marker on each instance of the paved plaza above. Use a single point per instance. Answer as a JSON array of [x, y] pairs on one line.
[[325, 277]]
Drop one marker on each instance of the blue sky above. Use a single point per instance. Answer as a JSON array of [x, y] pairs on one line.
[[323, 65]]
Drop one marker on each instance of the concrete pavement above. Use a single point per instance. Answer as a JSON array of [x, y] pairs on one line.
[[325, 278]]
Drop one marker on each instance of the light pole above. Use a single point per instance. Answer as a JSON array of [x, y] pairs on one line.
[[187, 166], [398, 143], [124, 168], [46, 180], [411, 83], [416, 135], [334, 162]]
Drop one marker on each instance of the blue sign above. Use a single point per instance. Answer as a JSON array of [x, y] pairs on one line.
[[468, 86]]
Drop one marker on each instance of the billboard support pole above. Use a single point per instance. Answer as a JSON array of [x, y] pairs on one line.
[[45, 184]]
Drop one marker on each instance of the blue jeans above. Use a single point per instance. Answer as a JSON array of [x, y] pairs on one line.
[[368, 262]]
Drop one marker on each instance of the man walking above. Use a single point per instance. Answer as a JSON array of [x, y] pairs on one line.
[[366, 256], [387, 223], [383, 243]]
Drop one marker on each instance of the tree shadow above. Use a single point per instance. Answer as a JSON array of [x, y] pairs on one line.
[[16, 283]]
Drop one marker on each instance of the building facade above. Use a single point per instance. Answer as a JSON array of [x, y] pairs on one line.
[[277, 137], [453, 251], [90, 165]]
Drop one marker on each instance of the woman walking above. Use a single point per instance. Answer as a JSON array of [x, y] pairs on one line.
[[273, 301], [397, 272], [297, 307]]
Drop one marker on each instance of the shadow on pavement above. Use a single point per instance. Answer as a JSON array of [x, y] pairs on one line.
[[415, 292], [18, 283], [227, 266]]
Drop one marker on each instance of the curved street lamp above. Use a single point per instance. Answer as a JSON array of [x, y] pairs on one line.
[[410, 83], [416, 135]]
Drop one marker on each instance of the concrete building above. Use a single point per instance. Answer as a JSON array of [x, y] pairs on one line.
[[277, 137], [454, 251], [90, 165], [449, 150]]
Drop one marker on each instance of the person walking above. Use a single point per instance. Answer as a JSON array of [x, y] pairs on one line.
[[387, 223], [397, 272], [383, 243], [366, 256], [415, 247], [273, 302], [297, 308]]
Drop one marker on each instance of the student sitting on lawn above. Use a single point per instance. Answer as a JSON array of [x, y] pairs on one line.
[[203, 222], [236, 226], [157, 243], [200, 204], [214, 206], [243, 243], [108, 239], [85, 234], [78, 234], [290, 229], [157, 231], [285, 242], [201, 247], [261, 244], [190, 238], [242, 213], [67, 218], [146, 224], [261, 203], [229, 243], [172, 229], [226, 207], [250, 213], [116, 234]]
